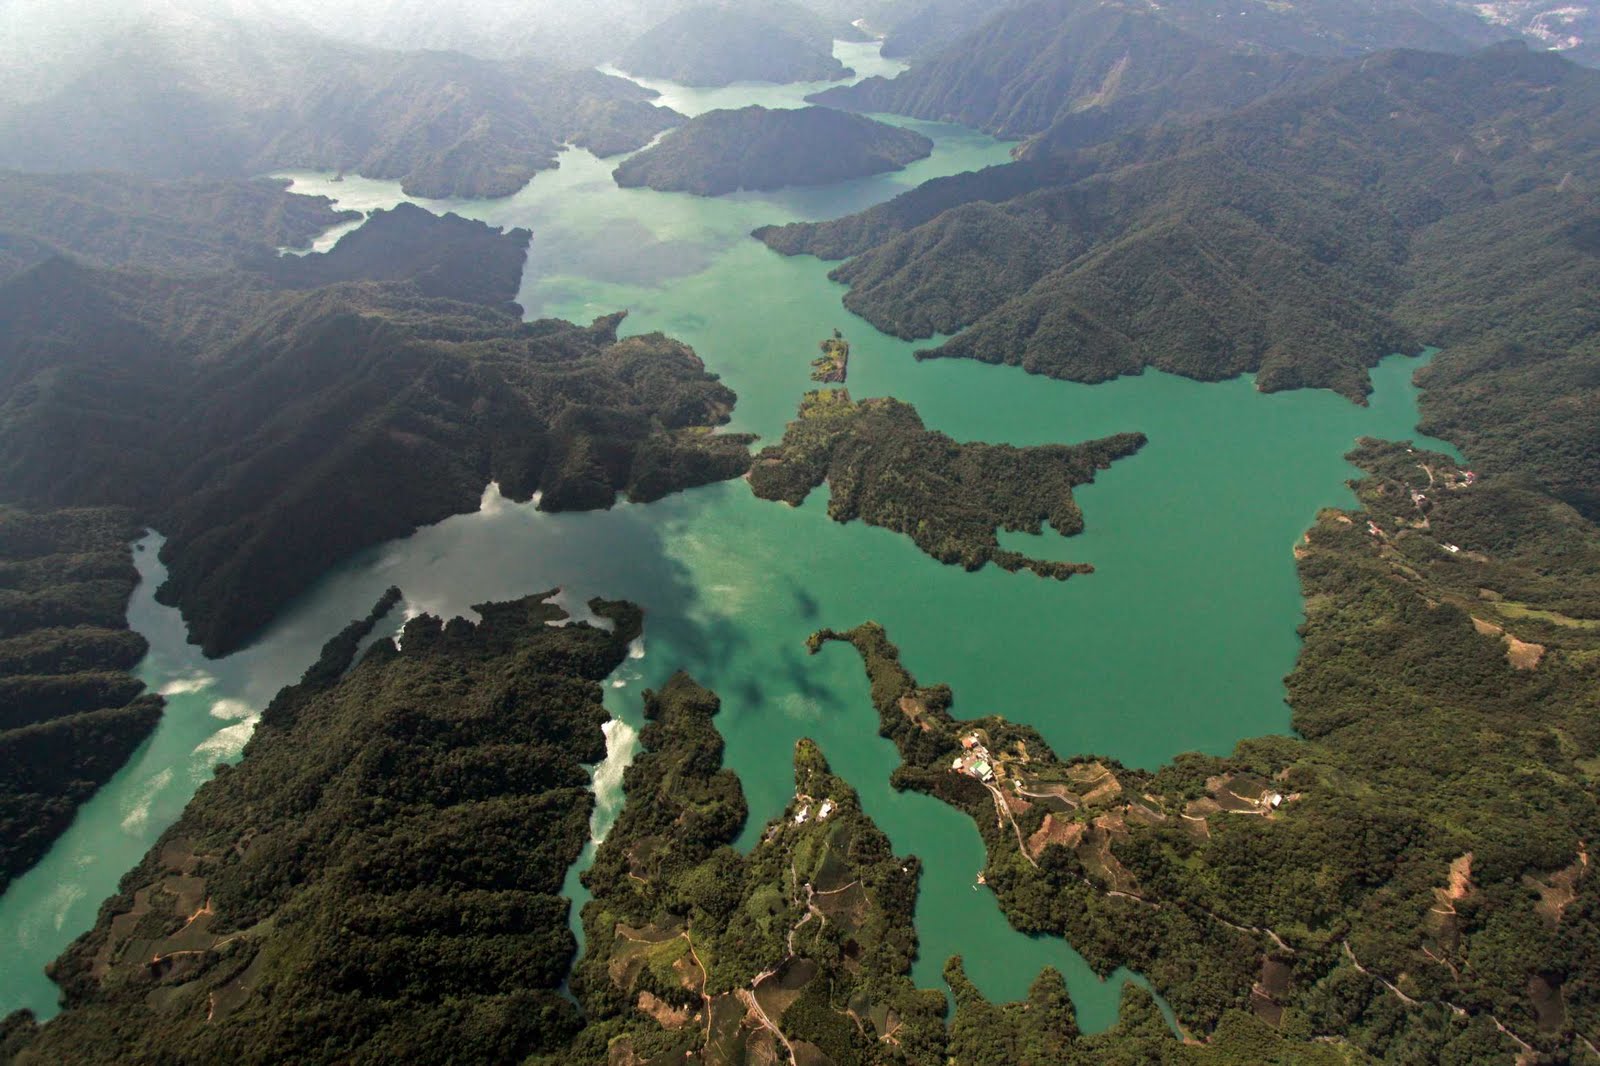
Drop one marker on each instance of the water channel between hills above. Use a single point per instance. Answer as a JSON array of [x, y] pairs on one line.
[[1180, 641]]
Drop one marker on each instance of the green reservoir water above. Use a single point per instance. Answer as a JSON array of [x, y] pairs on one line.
[[1178, 642]]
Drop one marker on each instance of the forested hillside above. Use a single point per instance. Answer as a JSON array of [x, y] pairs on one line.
[[760, 148], [1208, 187], [1408, 877], [1095, 68], [1086, 70], [1403, 200], [803, 947], [920, 29], [383, 900], [379, 877], [70, 711]]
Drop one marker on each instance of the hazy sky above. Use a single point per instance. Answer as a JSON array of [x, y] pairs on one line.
[[48, 42]]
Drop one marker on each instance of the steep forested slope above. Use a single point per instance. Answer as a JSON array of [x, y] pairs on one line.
[[447, 257], [1077, 72], [215, 96], [379, 877], [1409, 198], [70, 713], [392, 892], [758, 148], [718, 44], [236, 412]]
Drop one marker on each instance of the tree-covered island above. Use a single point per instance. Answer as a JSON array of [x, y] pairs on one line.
[[833, 366], [883, 466], [770, 148]]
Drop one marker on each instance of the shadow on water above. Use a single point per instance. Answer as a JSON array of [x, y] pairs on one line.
[[805, 604]]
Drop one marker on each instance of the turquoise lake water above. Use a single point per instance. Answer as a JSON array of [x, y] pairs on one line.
[[1179, 641]]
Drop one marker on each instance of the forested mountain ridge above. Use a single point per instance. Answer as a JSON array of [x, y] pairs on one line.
[[192, 226], [761, 148], [1301, 238], [379, 877], [803, 946], [444, 256], [205, 96], [421, 397], [392, 892], [718, 44], [1405, 879]]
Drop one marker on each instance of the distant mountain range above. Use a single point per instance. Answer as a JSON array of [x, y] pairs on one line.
[[1094, 68], [718, 44], [207, 96]]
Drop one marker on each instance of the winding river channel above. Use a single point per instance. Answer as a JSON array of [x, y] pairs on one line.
[[1179, 641]]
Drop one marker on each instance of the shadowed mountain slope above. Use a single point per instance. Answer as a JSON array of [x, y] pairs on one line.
[[236, 412]]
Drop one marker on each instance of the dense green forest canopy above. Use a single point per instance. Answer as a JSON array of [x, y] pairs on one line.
[[379, 877], [883, 466], [70, 712], [1410, 876], [801, 949], [427, 386], [446, 257], [762, 148]]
